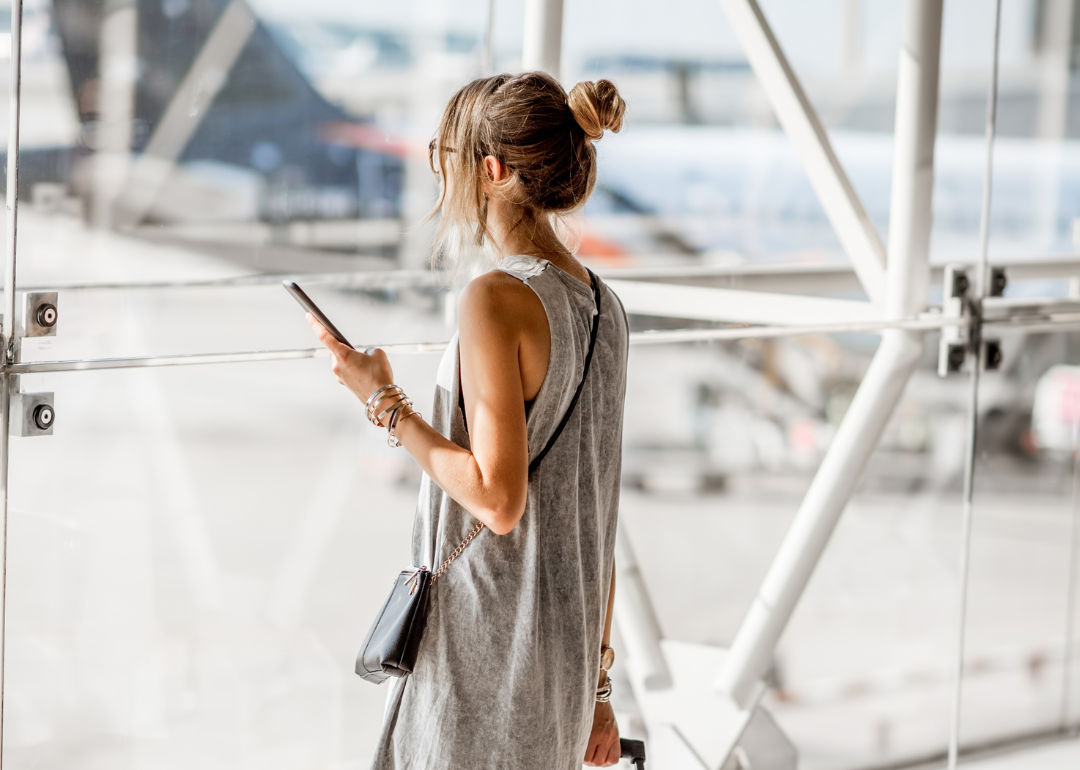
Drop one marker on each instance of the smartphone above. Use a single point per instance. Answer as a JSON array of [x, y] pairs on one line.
[[306, 302]]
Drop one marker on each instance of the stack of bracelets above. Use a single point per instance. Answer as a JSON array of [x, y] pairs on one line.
[[399, 408]]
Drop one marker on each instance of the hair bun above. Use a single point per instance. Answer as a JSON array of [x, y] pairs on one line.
[[596, 106]]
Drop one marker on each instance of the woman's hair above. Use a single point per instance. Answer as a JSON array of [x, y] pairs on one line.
[[541, 134]]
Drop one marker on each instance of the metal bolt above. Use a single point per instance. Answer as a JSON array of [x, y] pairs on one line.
[[998, 282], [43, 416], [993, 355], [956, 358], [46, 315]]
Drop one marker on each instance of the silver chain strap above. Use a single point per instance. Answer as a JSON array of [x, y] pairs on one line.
[[457, 551]]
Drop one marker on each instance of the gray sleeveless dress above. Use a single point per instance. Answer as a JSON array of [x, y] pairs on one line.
[[506, 671]]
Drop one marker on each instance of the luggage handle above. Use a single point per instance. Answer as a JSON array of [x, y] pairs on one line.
[[634, 750]]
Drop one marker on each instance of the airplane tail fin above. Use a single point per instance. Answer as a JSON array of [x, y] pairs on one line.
[[211, 86]]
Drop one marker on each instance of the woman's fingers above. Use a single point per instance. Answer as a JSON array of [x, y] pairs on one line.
[[358, 370], [326, 337], [600, 753], [590, 752], [614, 753]]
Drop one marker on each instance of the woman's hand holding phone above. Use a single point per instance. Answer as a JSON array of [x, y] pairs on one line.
[[360, 372]]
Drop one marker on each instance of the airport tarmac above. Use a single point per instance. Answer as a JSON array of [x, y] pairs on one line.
[[196, 553]]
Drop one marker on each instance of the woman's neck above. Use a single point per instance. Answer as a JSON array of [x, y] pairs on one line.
[[528, 236]]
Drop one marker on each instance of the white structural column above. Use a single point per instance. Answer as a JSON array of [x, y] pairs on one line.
[[1055, 33], [908, 271], [857, 234], [9, 383], [913, 159], [117, 64], [542, 46], [11, 203]]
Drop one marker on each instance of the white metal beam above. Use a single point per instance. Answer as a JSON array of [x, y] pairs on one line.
[[636, 619], [857, 234], [542, 46], [711, 304], [913, 159]]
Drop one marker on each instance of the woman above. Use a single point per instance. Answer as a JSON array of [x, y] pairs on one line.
[[508, 672]]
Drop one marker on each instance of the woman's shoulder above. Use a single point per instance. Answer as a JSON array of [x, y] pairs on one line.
[[493, 287], [499, 298]]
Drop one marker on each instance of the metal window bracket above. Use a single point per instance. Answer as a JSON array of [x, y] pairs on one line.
[[33, 414], [39, 314], [959, 341]]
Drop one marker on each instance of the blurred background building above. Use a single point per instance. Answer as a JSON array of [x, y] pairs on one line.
[[848, 236]]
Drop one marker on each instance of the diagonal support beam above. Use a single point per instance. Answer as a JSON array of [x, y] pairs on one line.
[[858, 236], [835, 481]]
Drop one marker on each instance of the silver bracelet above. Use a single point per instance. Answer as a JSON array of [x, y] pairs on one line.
[[402, 400], [371, 398], [603, 694], [395, 418], [377, 398]]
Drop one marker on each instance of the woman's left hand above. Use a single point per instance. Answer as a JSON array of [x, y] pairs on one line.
[[360, 372], [603, 748]]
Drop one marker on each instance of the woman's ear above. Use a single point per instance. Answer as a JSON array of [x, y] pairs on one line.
[[494, 170]]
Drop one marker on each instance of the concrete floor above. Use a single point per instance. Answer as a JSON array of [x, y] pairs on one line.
[[1063, 755]]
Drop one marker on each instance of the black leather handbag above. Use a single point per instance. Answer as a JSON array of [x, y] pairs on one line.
[[391, 644]]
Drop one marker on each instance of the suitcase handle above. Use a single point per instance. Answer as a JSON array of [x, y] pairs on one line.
[[634, 750]]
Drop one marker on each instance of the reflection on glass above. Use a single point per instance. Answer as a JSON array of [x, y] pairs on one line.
[[1021, 646]]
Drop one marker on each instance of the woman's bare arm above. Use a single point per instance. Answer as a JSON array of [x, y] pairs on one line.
[[491, 479], [602, 750]]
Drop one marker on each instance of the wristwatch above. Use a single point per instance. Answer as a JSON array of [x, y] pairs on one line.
[[607, 658]]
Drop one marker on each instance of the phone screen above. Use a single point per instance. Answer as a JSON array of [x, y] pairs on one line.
[[306, 302]]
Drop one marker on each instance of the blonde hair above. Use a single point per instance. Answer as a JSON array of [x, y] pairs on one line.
[[542, 135]]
